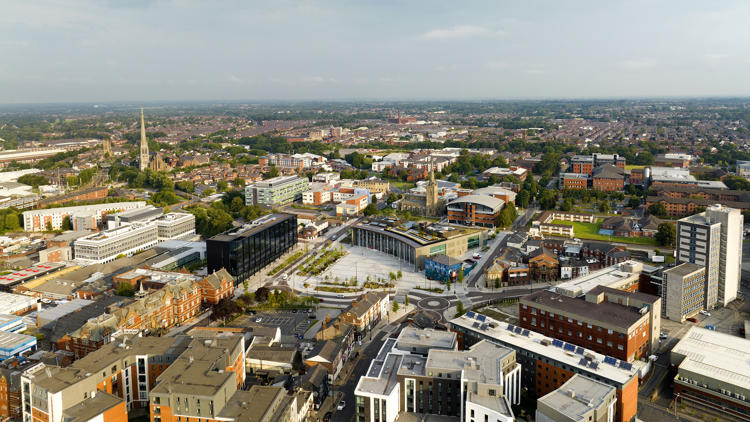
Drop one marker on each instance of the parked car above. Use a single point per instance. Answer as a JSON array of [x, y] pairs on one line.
[[327, 417], [341, 405], [259, 320], [662, 336], [711, 327], [706, 313], [477, 256], [695, 320]]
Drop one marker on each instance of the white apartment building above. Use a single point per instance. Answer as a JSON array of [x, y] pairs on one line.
[[107, 245], [280, 190], [36, 220], [683, 291], [713, 239], [175, 226]]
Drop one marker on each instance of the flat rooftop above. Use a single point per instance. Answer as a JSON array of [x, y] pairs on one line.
[[432, 339], [251, 228], [684, 269], [482, 363], [577, 397], [716, 355], [604, 313], [38, 270], [608, 277], [585, 361], [12, 341]]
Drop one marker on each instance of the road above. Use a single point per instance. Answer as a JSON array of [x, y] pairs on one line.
[[360, 368], [521, 221]]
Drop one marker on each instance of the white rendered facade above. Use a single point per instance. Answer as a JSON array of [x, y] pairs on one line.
[[36, 220], [105, 246]]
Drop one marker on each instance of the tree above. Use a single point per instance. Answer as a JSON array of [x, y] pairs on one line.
[[239, 182], [448, 285], [395, 306], [523, 198], [460, 276], [658, 210], [666, 234], [125, 289], [222, 185], [399, 274], [48, 226], [370, 210], [273, 172], [507, 216], [11, 222], [406, 299], [33, 180], [548, 199], [261, 295], [634, 201], [567, 205], [66, 224], [460, 309], [604, 206]]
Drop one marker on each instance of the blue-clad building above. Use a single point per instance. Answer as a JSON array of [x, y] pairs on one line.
[[442, 268], [14, 344], [12, 323]]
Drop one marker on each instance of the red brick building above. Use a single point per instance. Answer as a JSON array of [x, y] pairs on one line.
[[624, 325], [575, 180], [174, 304], [608, 178], [79, 195], [216, 286]]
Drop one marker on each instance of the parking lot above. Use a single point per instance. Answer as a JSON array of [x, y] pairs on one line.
[[290, 322]]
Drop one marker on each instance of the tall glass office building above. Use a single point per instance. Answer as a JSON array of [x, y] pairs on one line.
[[246, 250]]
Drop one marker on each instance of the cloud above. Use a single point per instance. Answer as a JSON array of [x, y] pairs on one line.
[[497, 65], [460, 32], [237, 80], [638, 64]]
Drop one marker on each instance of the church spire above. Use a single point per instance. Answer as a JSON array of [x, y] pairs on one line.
[[143, 156]]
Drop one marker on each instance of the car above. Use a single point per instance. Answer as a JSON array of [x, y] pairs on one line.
[[311, 316], [340, 296], [694, 320], [309, 310], [284, 276], [327, 417], [706, 313], [711, 327], [476, 256], [341, 405], [294, 311], [662, 336], [258, 320]]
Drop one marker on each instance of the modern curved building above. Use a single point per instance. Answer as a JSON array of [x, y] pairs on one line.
[[475, 210], [414, 242]]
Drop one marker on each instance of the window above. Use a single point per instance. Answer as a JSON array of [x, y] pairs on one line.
[[491, 393]]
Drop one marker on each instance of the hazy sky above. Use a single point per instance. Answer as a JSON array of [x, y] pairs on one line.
[[69, 50]]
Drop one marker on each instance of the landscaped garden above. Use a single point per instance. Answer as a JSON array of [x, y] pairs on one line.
[[317, 264]]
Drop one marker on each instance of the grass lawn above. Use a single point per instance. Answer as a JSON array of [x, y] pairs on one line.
[[404, 186], [591, 231], [634, 166]]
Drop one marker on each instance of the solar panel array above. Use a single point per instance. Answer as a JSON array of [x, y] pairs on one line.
[[626, 366], [610, 360], [518, 330], [594, 364], [569, 347], [470, 314], [481, 317], [510, 327], [557, 343], [579, 350], [525, 333], [483, 327], [476, 325]]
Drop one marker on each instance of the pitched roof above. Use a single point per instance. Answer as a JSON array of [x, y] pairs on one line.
[[608, 171], [215, 278]]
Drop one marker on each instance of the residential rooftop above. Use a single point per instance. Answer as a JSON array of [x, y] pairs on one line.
[[585, 361], [577, 397]]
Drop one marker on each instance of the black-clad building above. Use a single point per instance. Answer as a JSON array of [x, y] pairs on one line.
[[246, 250]]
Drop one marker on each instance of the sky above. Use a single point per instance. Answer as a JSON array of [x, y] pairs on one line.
[[220, 50]]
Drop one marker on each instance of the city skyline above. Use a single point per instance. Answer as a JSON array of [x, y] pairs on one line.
[[304, 50]]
